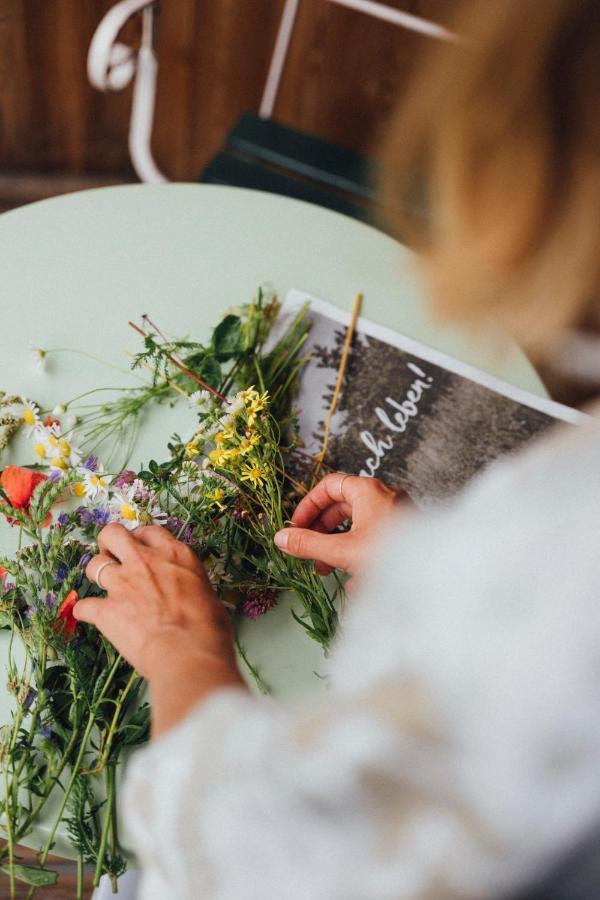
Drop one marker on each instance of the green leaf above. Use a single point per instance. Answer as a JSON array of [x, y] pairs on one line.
[[31, 874], [227, 338]]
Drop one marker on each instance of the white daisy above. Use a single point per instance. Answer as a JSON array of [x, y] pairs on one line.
[[95, 484], [30, 416], [236, 405], [38, 356], [125, 510], [201, 401]]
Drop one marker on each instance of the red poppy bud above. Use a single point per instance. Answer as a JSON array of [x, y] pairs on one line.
[[66, 623]]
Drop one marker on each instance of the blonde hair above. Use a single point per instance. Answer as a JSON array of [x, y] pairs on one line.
[[501, 134]]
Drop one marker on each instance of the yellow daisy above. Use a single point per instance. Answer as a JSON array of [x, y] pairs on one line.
[[218, 456], [254, 475], [248, 443], [217, 496]]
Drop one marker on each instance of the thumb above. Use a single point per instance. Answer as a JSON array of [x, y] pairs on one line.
[[333, 549], [90, 610]]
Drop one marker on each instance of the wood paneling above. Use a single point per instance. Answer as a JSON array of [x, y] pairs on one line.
[[344, 73]]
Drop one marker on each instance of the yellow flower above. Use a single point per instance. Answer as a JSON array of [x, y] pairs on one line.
[[232, 455], [29, 416], [79, 489], [254, 475], [217, 497], [59, 463], [249, 394], [220, 438], [128, 512], [218, 456], [64, 448], [191, 449], [248, 443], [40, 449]]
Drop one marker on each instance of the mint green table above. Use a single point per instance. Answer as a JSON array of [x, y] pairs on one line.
[[76, 268]]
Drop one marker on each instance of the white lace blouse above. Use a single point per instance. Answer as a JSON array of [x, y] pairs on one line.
[[457, 752]]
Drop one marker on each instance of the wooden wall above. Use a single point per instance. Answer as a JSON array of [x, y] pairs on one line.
[[344, 74]]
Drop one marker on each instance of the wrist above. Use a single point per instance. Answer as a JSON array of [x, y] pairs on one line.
[[181, 680]]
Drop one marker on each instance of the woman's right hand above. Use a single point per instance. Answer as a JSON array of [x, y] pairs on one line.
[[339, 497]]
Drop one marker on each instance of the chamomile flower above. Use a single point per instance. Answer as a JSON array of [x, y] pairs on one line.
[[236, 405], [125, 510], [38, 356], [201, 401], [95, 483], [59, 410], [30, 416]]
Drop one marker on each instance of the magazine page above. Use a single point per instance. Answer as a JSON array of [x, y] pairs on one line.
[[408, 414]]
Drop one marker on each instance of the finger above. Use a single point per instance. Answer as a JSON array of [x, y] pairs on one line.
[[317, 500], [331, 518], [332, 549], [153, 536], [108, 567], [92, 610], [116, 541]]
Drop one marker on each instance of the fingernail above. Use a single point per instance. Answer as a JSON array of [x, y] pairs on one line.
[[281, 539]]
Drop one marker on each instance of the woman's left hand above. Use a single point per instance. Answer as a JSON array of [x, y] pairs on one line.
[[163, 616]]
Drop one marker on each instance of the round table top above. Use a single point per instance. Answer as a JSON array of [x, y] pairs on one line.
[[75, 268]]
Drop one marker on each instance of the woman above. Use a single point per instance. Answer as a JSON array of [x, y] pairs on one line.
[[457, 752]]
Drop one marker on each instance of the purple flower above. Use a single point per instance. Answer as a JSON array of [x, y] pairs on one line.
[[101, 517], [258, 601], [61, 574], [125, 478], [55, 476], [142, 494], [50, 600], [85, 559], [28, 612], [174, 525], [86, 516], [63, 519], [46, 731], [30, 698], [91, 463]]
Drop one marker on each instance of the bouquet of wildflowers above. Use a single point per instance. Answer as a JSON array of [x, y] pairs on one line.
[[224, 489]]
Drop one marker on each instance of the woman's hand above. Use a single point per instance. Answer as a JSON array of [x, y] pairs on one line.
[[339, 497], [162, 615]]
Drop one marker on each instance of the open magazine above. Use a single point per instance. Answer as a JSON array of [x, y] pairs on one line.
[[408, 414]]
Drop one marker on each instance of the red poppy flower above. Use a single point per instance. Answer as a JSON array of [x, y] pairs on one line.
[[19, 484], [66, 623], [3, 573]]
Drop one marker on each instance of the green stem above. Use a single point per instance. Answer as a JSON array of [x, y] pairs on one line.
[[80, 877], [106, 824], [75, 771], [9, 833], [252, 669]]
